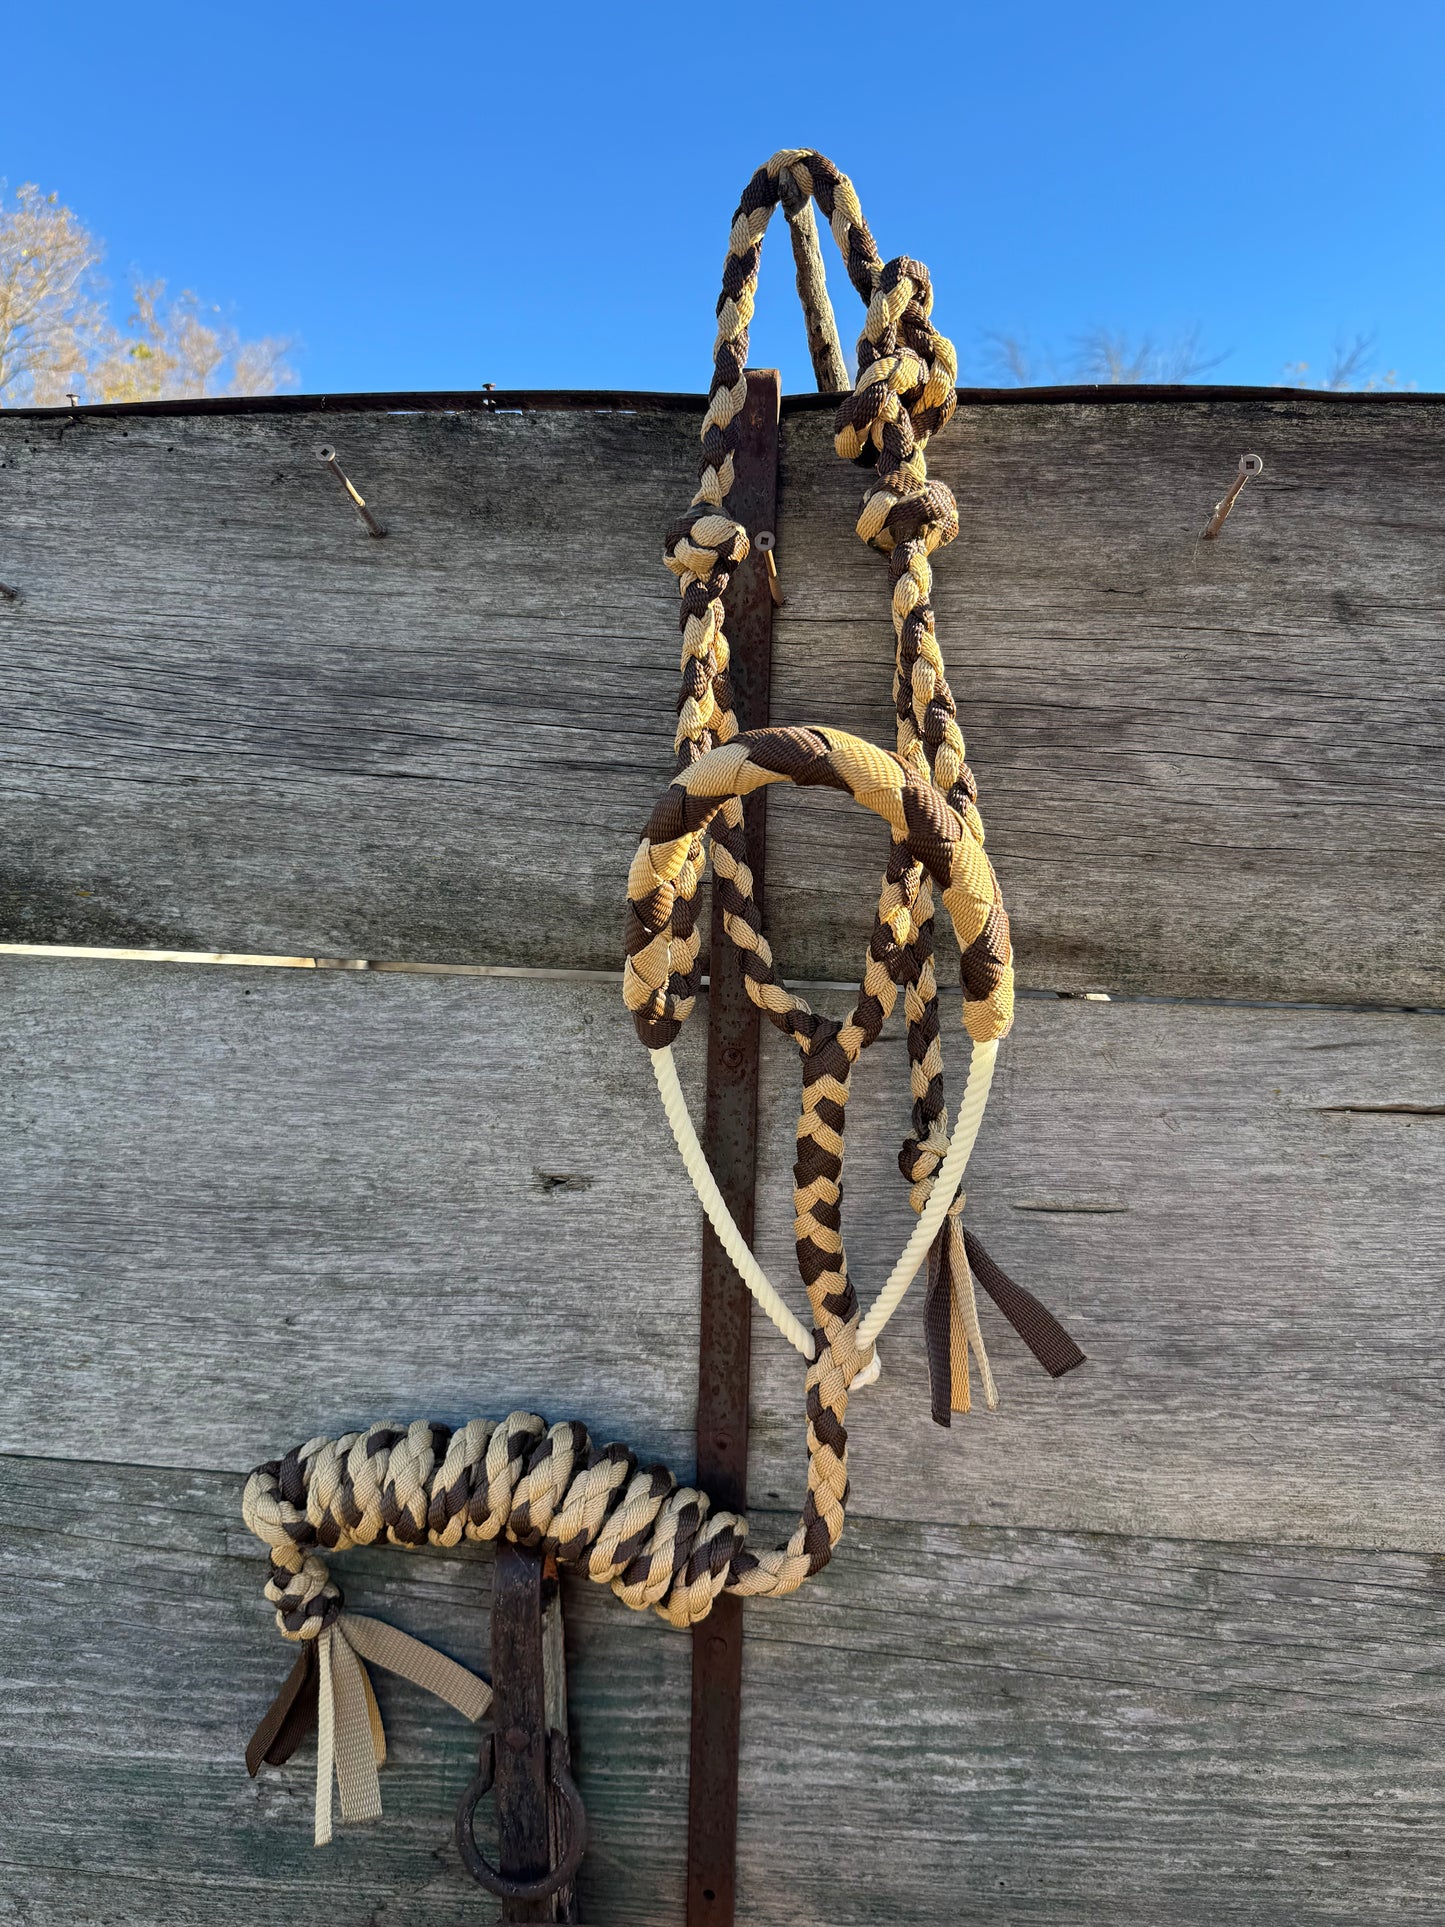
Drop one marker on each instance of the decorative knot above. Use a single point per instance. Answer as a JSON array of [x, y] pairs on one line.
[[927, 516], [703, 541], [307, 1600]]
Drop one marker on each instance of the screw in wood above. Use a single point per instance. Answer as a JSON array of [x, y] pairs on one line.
[[766, 542], [326, 455], [1248, 465]]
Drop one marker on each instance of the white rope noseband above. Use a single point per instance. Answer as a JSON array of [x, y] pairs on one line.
[[945, 1189]]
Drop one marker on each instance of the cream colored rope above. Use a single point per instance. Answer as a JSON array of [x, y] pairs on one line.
[[946, 1182]]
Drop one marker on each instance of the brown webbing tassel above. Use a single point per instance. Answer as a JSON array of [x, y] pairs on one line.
[[947, 1342], [939, 1332], [1045, 1337], [290, 1716]]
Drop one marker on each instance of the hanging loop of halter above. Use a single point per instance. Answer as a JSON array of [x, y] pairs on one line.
[[905, 391]]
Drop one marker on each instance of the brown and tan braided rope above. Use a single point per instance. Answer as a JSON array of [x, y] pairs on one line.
[[656, 1543], [905, 391]]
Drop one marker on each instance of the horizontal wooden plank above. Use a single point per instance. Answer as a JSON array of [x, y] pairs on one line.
[[246, 1207], [1207, 769], [241, 1207], [1040, 1729], [229, 709], [140, 1654], [1049, 1728], [232, 721]]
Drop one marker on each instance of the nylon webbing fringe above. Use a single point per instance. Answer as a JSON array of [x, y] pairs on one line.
[[656, 1543]]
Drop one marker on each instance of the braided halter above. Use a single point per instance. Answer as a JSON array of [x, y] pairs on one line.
[[925, 792], [656, 1543]]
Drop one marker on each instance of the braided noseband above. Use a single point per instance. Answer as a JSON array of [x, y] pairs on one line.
[[631, 1527]]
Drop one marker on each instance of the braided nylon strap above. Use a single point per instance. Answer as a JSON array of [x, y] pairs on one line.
[[656, 1543], [925, 792], [631, 1527], [932, 838]]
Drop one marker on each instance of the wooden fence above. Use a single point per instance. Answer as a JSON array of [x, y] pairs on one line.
[[1160, 1641]]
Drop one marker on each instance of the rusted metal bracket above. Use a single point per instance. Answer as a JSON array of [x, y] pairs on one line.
[[541, 1822], [730, 1139]]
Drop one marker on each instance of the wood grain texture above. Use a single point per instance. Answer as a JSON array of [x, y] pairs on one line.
[[250, 1205], [140, 1654], [227, 707], [1053, 1728], [1206, 769], [232, 721], [241, 1207], [1038, 1729]]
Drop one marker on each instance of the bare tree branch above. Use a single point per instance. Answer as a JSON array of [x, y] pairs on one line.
[[1107, 356], [57, 337]]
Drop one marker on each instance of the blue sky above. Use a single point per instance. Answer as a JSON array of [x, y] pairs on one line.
[[443, 195]]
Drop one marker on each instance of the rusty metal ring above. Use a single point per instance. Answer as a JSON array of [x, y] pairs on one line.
[[574, 1828]]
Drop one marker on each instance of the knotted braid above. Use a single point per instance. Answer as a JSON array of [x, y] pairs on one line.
[[905, 391], [628, 1526]]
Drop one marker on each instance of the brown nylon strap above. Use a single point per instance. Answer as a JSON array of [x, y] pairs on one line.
[[938, 1329], [1045, 1337], [289, 1717]]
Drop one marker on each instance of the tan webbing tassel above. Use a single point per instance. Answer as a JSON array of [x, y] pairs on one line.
[[351, 1741], [964, 1329]]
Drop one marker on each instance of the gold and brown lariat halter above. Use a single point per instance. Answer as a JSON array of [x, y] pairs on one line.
[[656, 1543]]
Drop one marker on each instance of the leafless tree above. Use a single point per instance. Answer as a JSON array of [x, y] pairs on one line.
[[57, 336], [1012, 358], [1349, 367], [1105, 355]]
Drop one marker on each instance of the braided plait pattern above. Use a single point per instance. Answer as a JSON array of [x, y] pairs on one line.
[[632, 1527], [929, 839], [905, 391]]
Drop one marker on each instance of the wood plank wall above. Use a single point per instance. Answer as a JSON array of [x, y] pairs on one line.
[[1158, 1642]]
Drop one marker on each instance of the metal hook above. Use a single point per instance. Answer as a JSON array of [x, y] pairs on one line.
[[573, 1826], [1248, 465], [765, 541], [326, 455]]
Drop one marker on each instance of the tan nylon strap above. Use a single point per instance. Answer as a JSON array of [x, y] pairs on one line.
[[423, 1665], [347, 1737], [351, 1742]]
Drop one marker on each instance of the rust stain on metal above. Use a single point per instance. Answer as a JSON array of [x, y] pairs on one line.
[[730, 1139]]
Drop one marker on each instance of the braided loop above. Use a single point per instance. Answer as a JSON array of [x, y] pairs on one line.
[[929, 835], [905, 391]]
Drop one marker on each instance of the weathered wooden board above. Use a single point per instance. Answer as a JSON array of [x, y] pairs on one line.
[[241, 1207], [1210, 769], [231, 720], [228, 709], [139, 1653], [248, 1205], [1053, 1728], [1156, 1642], [1035, 1728]]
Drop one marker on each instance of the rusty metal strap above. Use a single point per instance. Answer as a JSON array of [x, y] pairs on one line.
[[730, 1139]]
